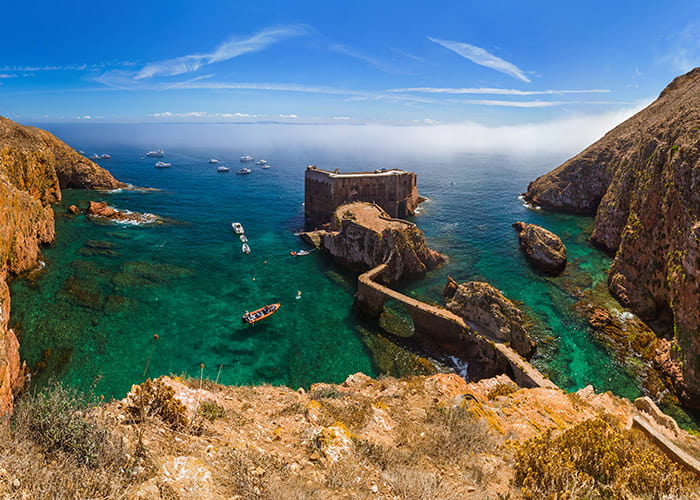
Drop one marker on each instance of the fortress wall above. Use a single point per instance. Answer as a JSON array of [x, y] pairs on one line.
[[393, 190]]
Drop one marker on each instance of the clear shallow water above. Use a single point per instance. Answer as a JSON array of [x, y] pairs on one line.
[[188, 282]]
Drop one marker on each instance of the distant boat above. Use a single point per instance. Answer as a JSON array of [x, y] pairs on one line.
[[158, 153], [95, 157], [299, 253], [245, 248], [162, 164], [81, 152], [266, 166], [247, 158], [222, 169], [262, 313], [261, 162], [238, 228], [244, 171], [105, 156], [213, 160], [244, 238]]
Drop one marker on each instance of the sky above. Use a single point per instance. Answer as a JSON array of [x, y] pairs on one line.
[[496, 63]]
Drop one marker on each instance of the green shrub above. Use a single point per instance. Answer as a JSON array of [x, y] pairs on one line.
[[154, 398], [57, 418], [211, 410], [596, 459]]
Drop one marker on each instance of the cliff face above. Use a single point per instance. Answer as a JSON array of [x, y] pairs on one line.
[[642, 181], [34, 166], [362, 236]]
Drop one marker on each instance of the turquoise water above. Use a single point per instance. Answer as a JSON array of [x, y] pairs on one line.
[[91, 318]]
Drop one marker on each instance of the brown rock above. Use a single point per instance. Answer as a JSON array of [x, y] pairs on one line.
[[73, 209], [641, 182], [544, 249], [100, 209], [600, 319], [450, 288], [482, 305], [362, 236]]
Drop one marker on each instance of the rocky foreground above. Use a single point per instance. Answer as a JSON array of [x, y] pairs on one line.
[[642, 182], [34, 167], [417, 437]]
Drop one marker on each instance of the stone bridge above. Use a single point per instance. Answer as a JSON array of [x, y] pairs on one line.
[[436, 327]]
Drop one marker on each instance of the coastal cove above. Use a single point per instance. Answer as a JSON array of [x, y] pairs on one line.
[[187, 281]]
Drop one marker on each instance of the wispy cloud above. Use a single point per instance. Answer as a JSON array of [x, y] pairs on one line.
[[228, 50], [355, 54], [341, 117], [492, 91], [289, 116], [684, 53], [482, 57], [3, 75]]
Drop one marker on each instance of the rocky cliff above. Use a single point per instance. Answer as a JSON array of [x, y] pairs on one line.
[[362, 236], [34, 166], [642, 182]]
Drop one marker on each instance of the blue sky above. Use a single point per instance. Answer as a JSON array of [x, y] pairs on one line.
[[493, 63]]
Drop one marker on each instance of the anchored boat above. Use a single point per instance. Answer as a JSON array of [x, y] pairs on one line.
[[245, 248], [237, 227], [262, 313]]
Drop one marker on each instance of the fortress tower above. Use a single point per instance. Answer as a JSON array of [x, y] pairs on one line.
[[394, 190]]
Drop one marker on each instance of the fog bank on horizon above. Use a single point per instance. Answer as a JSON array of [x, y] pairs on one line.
[[562, 136]]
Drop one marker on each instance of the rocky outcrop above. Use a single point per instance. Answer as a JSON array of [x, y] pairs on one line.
[[362, 236], [101, 211], [34, 166], [642, 182], [543, 249], [485, 307]]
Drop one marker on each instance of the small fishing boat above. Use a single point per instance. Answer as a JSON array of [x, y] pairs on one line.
[[105, 157], [262, 313], [266, 166], [213, 160], [238, 228], [222, 169], [162, 164], [245, 248], [244, 238], [299, 253], [261, 162], [247, 158], [95, 157], [244, 171], [159, 153]]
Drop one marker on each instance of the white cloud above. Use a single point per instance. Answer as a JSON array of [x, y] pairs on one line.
[[430, 121], [482, 57], [289, 116], [86, 117], [349, 51], [684, 53], [341, 117], [232, 48], [493, 91], [3, 75], [200, 114]]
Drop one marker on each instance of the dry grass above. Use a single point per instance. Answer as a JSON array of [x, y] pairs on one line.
[[56, 447], [598, 459]]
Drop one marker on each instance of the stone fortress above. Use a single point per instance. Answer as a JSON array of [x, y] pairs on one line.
[[394, 190]]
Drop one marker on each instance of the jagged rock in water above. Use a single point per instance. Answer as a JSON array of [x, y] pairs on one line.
[[100, 210], [484, 306], [544, 249], [362, 236], [642, 182]]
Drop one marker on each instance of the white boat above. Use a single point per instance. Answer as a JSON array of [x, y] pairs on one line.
[[243, 171], [162, 164], [95, 157], [266, 166], [245, 248], [247, 158], [261, 162], [213, 160], [244, 238], [105, 156], [158, 153], [222, 169], [238, 228]]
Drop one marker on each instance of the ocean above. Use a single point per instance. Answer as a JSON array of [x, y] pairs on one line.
[[117, 303]]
